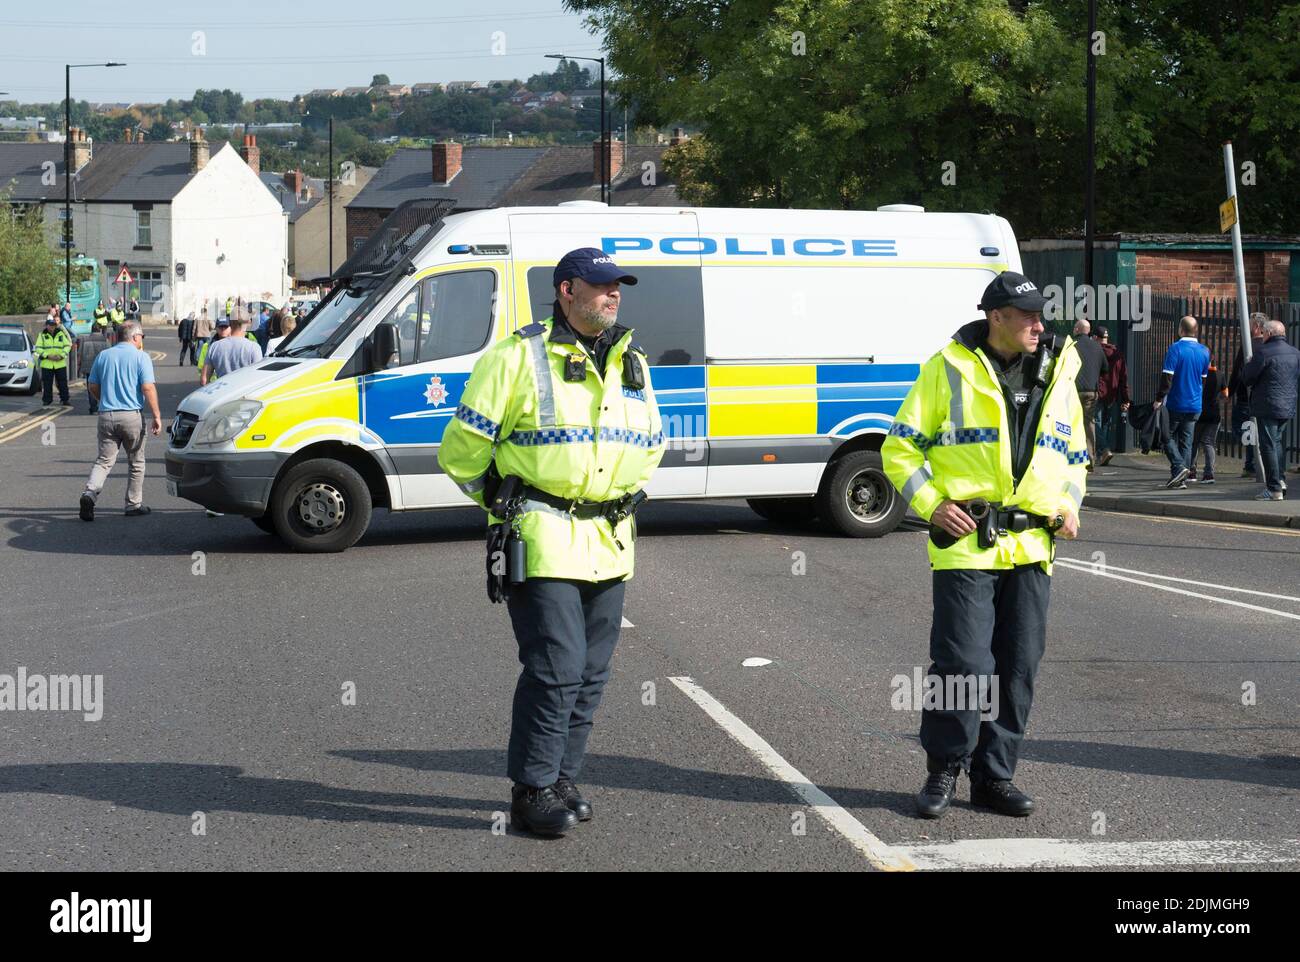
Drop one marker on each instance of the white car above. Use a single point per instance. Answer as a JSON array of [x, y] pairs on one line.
[[18, 367]]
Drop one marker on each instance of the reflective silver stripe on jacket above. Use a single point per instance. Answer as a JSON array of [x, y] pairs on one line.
[[917, 481], [956, 413], [474, 485], [542, 373], [1074, 494]]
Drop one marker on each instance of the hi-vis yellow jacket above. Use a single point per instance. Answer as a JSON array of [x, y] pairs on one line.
[[53, 349], [592, 441], [955, 415]]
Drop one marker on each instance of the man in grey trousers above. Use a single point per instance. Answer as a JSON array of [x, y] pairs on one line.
[[120, 382]]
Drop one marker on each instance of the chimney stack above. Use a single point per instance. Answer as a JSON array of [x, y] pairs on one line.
[[615, 151], [251, 154], [81, 148], [293, 180], [198, 152], [446, 161]]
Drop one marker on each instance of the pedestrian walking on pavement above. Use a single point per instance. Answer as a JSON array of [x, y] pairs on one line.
[[1187, 362], [992, 528], [122, 383], [1093, 366], [1273, 376], [185, 334], [1113, 398], [53, 348], [230, 354], [1207, 426], [202, 333], [556, 435], [1240, 395]]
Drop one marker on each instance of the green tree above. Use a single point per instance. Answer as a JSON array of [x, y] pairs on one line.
[[31, 271], [380, 80]]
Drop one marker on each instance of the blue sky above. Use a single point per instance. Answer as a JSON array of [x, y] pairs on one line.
[[263, 49]]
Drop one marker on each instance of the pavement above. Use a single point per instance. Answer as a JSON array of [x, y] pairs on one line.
[[269, 710], [1135, 484]]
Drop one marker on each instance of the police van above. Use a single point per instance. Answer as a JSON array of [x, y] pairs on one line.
[[781, 343]]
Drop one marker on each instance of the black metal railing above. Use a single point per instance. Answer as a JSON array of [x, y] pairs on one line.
[[1219, 329]]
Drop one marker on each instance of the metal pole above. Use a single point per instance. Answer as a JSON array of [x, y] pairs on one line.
[[1243, 309], [67, 180], [604, 147], [330, 188], [1089, 196]]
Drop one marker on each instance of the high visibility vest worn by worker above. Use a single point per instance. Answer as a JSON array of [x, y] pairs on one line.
[[1002, 431], [573, 417], [53, 347]]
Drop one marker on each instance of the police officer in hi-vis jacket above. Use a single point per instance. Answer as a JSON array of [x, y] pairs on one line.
[[557, 434]]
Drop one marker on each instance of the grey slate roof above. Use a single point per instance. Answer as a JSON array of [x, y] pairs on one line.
[[116, 172], [566, 173], [288, 202], [486, 174]]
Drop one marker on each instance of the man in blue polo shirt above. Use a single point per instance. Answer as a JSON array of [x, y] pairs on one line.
[[1187, 362], [120, 382]]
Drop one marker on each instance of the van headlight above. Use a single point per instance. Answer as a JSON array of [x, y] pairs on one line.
[[226, 421]]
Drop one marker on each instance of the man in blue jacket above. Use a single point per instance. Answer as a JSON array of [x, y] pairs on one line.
[[1273, 375], [1186, 363]]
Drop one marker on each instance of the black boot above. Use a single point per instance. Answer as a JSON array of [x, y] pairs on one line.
[[540, 811], [999, 795], [570, 796], [933, 800]]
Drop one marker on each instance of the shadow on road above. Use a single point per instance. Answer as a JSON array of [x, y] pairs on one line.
[[1277, 771], [181, 789]]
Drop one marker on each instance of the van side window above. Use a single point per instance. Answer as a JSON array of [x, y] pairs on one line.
[[406, 316], [666, 308], [456, 314]]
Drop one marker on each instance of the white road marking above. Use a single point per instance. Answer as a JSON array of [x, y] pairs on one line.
[[755, 662], [1095, 566], [34, 421], [876, 852], [626, 623], [986, 853], [1100, 573]]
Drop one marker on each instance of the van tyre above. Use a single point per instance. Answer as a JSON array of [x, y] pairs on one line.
[[785, 510], [857, 497], [321, 506]]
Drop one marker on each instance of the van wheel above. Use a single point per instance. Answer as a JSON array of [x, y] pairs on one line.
[[321, 506], [785, 510], [858, 499]]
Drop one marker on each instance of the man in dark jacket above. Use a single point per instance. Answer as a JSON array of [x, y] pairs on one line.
[[1239, 394], [1113, 397], [185, 334], [1093, 368], [1273, 376]]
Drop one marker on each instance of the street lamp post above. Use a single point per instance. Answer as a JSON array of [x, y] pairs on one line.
[[67, 170], [329, 188], [604, 147], [1090, 188]]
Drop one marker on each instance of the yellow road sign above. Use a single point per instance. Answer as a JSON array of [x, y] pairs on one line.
[[1227, 215]]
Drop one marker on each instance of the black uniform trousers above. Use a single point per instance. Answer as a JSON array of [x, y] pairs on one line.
[[566, 632], [986, 623], [51, 376]]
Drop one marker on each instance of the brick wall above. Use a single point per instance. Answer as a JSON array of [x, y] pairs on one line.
[[362, 222], [1211, 273]]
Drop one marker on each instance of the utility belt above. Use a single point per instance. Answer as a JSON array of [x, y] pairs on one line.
[[507, 552], [992, 520]]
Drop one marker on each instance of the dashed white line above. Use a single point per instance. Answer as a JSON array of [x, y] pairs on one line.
[[873, 849]]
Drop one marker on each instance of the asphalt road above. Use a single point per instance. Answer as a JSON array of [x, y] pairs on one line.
[[224, 690]]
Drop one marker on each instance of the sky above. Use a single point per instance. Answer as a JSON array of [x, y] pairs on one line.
[[263, 49]]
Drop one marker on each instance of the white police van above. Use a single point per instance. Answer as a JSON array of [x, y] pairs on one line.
[[781, 344]]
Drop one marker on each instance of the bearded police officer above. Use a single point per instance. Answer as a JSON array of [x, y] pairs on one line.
[[997, 414], [556, 435]]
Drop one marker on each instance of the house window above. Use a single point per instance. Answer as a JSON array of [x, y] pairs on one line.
[[143, 229], [151, 286]]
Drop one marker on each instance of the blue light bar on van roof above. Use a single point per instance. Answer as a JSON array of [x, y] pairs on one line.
[[458, 249], [989, 251], [499, 250]]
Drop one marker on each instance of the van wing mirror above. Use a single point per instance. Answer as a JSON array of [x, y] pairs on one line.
[[384, 349]]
